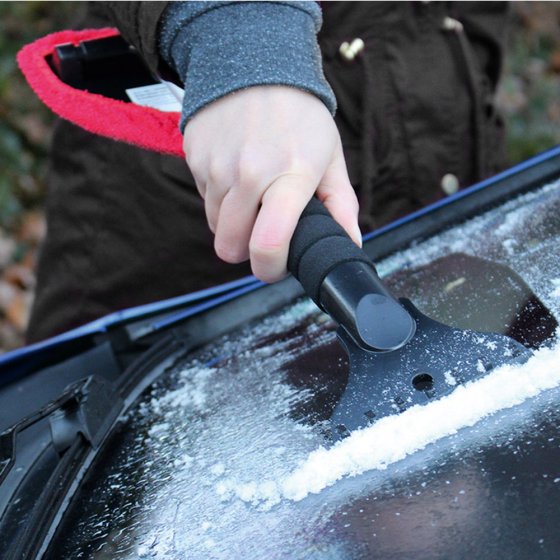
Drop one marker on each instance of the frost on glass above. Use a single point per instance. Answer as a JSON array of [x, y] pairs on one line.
[[220, 458]]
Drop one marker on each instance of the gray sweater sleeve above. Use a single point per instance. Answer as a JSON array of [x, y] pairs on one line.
[[220, 47]]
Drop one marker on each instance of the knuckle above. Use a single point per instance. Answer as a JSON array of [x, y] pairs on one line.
[[297, 165], [255, 169], [249, 168], [194, 162], [215, 172], [194, 155]]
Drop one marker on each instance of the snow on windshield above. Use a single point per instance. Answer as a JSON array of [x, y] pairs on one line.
[[214, 465]]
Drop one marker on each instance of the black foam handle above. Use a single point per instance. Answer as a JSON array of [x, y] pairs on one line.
[[320, 244], [341, 279]]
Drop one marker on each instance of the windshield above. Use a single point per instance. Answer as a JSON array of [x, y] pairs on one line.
[[214, 461]]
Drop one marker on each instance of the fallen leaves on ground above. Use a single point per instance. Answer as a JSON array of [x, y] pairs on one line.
[[18, 256]]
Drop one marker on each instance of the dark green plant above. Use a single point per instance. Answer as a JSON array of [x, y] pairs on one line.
[[24, 122]]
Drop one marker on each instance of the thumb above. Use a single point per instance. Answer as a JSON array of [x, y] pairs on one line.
[[337, 194]]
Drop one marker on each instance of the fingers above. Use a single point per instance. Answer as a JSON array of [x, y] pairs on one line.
[[236, 217], [257, 157], [282, 204], [338, 196], [212, 203], [243, 230]]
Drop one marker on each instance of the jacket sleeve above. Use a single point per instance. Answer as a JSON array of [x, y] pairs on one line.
[[217, 48]]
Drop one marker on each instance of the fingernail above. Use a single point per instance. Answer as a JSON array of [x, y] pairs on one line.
[[357, 235]]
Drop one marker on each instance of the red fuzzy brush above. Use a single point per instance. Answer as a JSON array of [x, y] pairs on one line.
[[134, 124]]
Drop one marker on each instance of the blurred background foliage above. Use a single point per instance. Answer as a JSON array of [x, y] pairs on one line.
[[529, 95], [529, 98], [24, 138], [24, 122]]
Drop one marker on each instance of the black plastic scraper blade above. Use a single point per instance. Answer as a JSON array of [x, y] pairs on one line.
[[428, 367]]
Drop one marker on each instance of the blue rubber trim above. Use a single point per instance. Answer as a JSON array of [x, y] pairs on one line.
[[212, 297], [469, 191], [125, 316], [205, 306]]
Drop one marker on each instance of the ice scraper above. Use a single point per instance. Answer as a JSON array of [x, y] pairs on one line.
[[398, 356]]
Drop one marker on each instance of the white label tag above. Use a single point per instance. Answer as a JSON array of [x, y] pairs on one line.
[[156, 96], [178, 93]]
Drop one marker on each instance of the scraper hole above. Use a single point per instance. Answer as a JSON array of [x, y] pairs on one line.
[[423, 382]]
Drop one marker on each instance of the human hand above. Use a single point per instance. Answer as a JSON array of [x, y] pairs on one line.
[[258, 155]]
